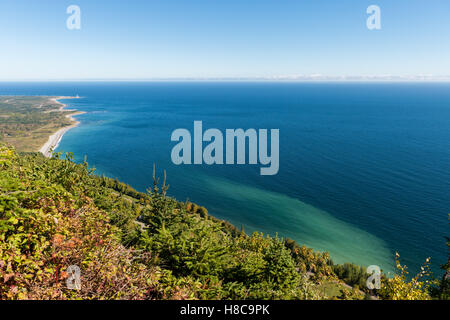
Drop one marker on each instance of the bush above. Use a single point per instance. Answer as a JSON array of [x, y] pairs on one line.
[[399, 288]]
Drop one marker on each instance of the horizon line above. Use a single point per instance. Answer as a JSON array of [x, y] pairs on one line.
[[246, 79]]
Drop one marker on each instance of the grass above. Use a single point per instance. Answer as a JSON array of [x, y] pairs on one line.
[[333, 289]]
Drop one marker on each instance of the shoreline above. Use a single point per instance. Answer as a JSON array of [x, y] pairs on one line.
[[54, 139]]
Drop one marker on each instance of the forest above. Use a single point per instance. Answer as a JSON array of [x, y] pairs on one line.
[[55, 213]]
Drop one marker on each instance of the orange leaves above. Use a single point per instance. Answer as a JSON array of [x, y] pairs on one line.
[[63, 275], [8, 277], [58, 239]]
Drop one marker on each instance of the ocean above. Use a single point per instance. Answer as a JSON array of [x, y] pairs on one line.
[[363, 173]]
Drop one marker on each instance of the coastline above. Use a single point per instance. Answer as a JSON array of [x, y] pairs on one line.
[[54, 139]]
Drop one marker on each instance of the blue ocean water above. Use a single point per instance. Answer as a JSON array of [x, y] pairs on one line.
[[364, 167]]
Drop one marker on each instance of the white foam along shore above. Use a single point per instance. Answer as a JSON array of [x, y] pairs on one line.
[[54, 139]]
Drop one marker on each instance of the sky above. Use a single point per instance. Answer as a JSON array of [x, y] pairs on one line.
[[276, 39]]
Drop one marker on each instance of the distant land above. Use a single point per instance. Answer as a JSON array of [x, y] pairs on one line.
[[34, 123]]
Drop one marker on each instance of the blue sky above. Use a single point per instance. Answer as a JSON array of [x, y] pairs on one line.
[[137, 39]]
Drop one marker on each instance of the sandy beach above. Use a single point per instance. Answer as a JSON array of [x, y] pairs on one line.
[[54, 139]]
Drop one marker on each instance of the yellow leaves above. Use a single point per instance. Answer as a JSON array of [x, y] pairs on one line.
[[13, 220], [6, 154], [399, 288]]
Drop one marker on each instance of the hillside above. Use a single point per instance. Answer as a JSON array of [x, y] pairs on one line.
[[55, 213], [130, 245]]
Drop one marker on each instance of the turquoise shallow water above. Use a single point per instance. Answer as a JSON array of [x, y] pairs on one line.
[[293, 217], [364, 168]]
